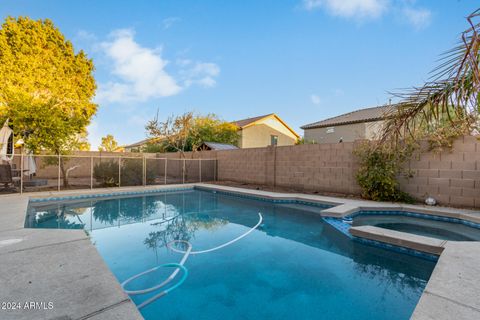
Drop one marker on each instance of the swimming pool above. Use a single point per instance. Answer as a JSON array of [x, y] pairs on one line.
[[293, 266], [420, 224]]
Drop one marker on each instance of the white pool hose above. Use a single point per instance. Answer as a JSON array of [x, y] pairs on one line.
[[220, 246], [178, 266]]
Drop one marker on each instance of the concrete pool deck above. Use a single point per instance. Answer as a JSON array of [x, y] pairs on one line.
[[63, 266]]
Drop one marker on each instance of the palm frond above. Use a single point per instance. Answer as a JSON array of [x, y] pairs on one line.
[[449, 97]]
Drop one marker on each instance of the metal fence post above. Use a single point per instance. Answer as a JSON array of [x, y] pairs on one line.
[[58, 181], [144, 171], [91, 172], [200, 169], [166, 170], [21, 172], [215, 170], [119, 171], [183, 171]]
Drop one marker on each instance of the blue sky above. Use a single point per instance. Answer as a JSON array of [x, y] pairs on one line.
[[305, 60]]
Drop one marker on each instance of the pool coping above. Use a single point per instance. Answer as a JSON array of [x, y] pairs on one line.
[[450, 292], [401, 239]]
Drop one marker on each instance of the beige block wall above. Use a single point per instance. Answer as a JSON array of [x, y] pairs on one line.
[[260, 136], [452, 177], [313, 167], [320, 167], [243, 165]]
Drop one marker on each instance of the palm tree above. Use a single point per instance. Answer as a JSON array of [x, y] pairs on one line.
[[448, 104]]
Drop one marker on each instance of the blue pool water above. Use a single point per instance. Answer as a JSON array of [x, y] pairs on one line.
[[294, 266]]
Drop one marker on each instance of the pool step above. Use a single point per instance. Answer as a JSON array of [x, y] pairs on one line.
[[401, 239]]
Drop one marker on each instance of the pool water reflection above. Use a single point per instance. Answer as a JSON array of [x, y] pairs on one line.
[[294, 266]]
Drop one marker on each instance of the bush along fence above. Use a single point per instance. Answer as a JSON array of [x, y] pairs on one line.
[[94, 170]]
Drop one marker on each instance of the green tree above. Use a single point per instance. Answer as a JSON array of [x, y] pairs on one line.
[[173, 132], [187, 132], [108, 144], [304, 141], [210, 128], [46, 89], [154, 147]]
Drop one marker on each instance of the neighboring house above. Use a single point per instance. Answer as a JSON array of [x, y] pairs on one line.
[[254, 132], [361, 124], [216, 146], [265, 131], [138, 146]]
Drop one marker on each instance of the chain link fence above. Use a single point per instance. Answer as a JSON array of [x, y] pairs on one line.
[[28, 173]]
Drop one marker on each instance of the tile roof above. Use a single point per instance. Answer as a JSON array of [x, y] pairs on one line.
[[358, 116], [250, 121], [245, 122]]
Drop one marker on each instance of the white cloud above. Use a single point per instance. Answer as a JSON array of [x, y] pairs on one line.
[[315, 99], [184, 62], [85, 35], [349, 8], [201, 73], [170, 21], [338, 92], [139, 73], [419, 18], [140, 70]]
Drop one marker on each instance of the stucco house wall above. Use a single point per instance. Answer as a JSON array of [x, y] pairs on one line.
[[259, 135], [348, 133], [257, 132], [373, 129], [362, 124]]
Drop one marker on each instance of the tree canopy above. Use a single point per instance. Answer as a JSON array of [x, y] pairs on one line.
[[187, 132], [108, 144], [46, 89], [210, 128]]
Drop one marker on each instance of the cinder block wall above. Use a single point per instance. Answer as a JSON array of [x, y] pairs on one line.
[[313, 167], [452, 177], [245, 165], [321, 167]]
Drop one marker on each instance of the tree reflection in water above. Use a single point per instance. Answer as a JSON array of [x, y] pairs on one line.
[[181, 227], [129, 209]]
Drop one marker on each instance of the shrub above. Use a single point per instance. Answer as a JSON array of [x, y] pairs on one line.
[[380, 165], [106, 173]]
